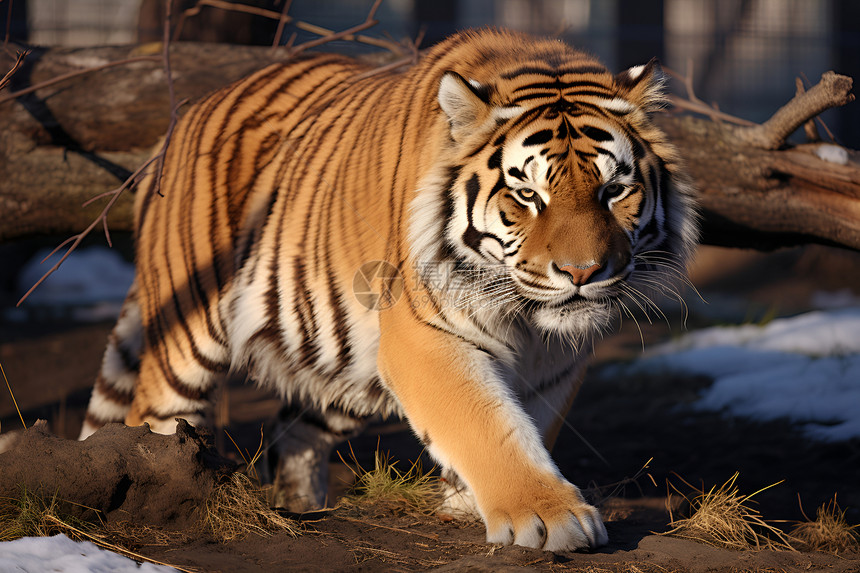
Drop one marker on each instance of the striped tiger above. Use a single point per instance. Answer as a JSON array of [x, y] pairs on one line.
[[440, 243]]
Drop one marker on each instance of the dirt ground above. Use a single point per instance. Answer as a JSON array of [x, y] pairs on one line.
[[615, 427]]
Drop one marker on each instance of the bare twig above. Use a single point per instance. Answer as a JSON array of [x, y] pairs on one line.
[[282, 22], [705, 109], [406, 61], [833, 90], [431, 536], [8, 24], [174, 108], [284, 18], [19, 61], [369, 22], [75, 240], [696, 105]]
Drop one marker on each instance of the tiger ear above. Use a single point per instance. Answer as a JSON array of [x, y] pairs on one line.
[[643, 86], [466, 103]]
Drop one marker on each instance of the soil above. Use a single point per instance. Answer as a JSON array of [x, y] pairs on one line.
[[626, 442]]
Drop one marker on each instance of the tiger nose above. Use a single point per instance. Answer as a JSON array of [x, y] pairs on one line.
[[581, 273]]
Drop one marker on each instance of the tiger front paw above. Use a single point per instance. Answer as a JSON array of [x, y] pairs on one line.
[[554, 518]]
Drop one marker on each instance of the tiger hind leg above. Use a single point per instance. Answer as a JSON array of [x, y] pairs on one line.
[[171, 389], [301, 440], [114, 387]]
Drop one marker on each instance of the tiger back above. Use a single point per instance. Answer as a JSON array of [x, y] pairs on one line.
[[504, 197]]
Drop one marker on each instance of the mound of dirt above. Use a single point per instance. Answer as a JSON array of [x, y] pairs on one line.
[[123, 473]]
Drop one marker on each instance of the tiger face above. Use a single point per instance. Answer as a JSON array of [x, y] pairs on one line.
[[564, 189]]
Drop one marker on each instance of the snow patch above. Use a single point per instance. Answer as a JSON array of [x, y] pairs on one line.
[[805, 368], [61, 554], [90, 285], [832, 153]]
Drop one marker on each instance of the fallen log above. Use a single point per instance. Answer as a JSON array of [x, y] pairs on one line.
[[65, 142]]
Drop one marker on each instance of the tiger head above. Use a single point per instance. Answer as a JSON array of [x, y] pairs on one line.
[[559, 196]]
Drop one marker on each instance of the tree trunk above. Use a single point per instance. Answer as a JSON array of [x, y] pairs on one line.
[[67, 142]]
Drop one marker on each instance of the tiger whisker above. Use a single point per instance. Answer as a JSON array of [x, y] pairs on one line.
[[665, 290], [632, 296], [649, 302], [636, 322]]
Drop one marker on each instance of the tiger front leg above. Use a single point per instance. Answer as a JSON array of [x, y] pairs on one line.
[[471, 422]]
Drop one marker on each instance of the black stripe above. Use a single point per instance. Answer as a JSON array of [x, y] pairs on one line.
[[552, 72], [516, 173], [500, 184], [199, 297], [650, 227], [602, 151], [113, 393], [256, 232], [495, 160], [537, 95], [585, 69], [595, 133], [130, 360], [471, 236], [239, 93], [538, 138], [303, 309], [560, 85], [180, 317], [529, 69]]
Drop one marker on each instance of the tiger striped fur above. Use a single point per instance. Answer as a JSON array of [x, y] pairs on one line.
[[515, 191]]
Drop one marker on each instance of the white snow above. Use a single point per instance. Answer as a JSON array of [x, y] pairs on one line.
[[832, 153], [805, 368], [90, 285], [61, 554]]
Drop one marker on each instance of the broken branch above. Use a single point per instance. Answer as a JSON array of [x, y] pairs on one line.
[[832, 91]]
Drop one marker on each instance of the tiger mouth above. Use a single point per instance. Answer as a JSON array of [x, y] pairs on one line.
[[575, 300]]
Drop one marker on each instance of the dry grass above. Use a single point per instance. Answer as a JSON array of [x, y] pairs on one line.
[[600, 494], [637, 567], [829, 531], [238, 506], [413, 489], [12, 395], [723, 517], [30, 515]]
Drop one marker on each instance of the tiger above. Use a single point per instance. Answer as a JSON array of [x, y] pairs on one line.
[[442, 243]]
